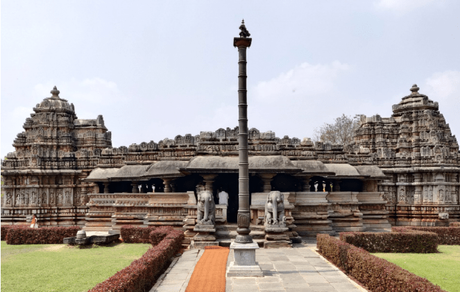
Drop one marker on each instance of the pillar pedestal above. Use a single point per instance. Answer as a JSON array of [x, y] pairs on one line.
[[245, 264]]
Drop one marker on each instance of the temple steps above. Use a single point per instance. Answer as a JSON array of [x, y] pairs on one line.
[[226, 234]]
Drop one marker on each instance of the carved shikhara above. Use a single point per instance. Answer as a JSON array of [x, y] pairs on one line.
[[56, 152]]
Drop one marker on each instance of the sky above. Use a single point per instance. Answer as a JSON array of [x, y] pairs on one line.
[[157, 69]]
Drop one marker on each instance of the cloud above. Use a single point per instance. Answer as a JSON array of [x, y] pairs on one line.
[[444, 87], [303, 80], [401, 6], [95, 90]]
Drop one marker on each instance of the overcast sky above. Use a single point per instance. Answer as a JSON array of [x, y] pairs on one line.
[[157, 69]]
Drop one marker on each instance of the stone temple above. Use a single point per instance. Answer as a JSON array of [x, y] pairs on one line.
[[400, 170]]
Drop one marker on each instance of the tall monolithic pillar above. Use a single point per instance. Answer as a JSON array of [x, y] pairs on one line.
[[243, 42]]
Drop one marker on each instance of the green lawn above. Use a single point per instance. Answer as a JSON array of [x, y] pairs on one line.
[[442, 268], [57, 267]]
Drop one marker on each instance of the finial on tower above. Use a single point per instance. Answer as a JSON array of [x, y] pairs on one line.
[[55, 92], [414, 89], [244, 33]]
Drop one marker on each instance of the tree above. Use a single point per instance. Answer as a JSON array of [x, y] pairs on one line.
[[339, 132]]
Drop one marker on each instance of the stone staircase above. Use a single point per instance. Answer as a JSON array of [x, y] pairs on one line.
[[226, 233]]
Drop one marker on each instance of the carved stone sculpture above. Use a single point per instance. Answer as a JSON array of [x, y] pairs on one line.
[[274, 210], [206, 208]]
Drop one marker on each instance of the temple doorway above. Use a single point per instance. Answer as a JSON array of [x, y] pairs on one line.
[[228, 182]]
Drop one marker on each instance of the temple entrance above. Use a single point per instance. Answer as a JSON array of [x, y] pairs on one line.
[[228, 182]]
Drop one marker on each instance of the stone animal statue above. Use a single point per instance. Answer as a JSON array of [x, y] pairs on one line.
[[206, 208], [274, 209]]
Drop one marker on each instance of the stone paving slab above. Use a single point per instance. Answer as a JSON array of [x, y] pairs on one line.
[[299, 268]]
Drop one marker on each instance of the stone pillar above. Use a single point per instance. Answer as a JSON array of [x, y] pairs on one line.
[[418, 195], [336, 184], [166, 182], [106, 187], [244, 248], [455, 192], [135, 188], [306, 184], [208, 179], [267, 179]]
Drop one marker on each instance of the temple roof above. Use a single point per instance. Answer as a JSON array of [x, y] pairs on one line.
[[230, 164], [202, 164], [312, 167]]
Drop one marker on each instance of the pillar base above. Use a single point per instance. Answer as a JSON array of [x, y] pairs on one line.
[[245, 264]]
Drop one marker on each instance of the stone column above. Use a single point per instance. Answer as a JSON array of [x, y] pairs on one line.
[[166, 182], [106, 187], [306, 184], [418, 195], [455, 192], [336, 184], [244, 249], [135, 189], [208, 179], [267, 179]]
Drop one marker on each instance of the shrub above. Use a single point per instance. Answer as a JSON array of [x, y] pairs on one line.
[[143, 272], [157, 235], [414, 241], [44, 235], [375, 273], [5, 231], [454, 224], [136, 234], [447, 235]]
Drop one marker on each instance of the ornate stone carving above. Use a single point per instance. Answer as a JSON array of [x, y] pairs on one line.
[[274, 210], [206, 208]]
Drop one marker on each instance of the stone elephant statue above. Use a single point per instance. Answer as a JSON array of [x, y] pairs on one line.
[[206, 208], [274, 209]]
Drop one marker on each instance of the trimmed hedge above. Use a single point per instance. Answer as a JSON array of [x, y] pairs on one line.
[[136, 234], [454, 224], [43, 235], [375, 273], [5, 231], [143, 272], [447, 235], [404, 242], [157, 235]]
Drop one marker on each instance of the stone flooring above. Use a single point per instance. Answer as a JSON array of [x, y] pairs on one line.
[[285, 269]]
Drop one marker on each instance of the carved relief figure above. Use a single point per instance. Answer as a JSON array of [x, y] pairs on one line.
[[67, 199], [8, 199], [402, 195], [206, 208], [34, 198], [274, 209], [441, 196], [25, 199], [82, 199], [52, 198], [59, 198]]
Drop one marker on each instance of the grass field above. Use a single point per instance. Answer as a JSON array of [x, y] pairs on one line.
[[57, 267], [442, 268]]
